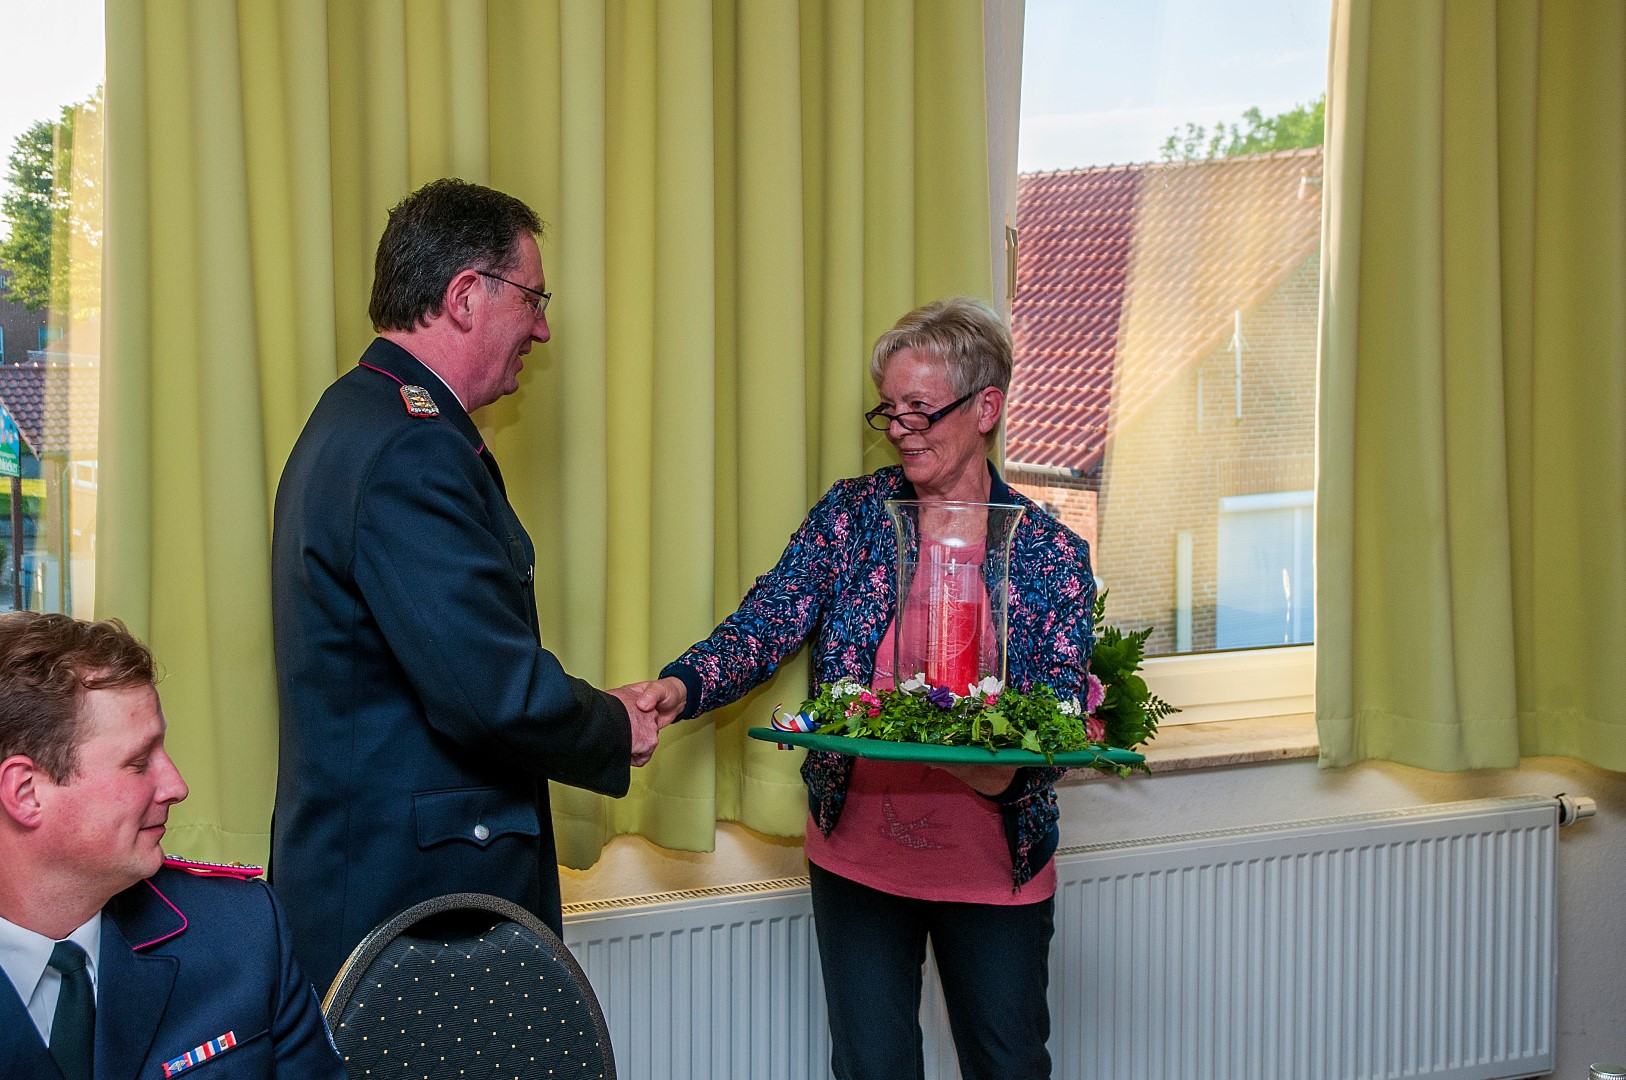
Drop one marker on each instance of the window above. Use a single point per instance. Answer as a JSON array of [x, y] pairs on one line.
[[1165, 324], [1265, 589], [50, 301]]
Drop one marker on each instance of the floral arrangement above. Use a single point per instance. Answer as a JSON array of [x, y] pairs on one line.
[[1118, 709], [1128, 712]]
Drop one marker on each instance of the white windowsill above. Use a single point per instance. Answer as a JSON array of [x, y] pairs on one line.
[[1182, 747]]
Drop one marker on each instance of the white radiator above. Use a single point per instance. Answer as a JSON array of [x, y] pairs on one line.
[[1412, 943]]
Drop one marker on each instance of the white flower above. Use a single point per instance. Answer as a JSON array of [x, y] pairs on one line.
[[847, 688], [914, 684], [989, 686], [1068, 708]]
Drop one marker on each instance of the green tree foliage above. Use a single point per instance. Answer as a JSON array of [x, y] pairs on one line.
[[29, 202], [1300, 126], [53, 198]]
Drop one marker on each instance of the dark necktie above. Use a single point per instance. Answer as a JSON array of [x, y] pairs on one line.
[[73, 1028]]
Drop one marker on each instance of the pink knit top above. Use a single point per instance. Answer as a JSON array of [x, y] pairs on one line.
[[912, 830]]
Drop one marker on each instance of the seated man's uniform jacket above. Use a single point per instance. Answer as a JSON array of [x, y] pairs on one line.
[[420, 717], [196, 973]]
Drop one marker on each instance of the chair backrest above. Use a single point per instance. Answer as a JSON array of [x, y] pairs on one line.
[[467, 985]]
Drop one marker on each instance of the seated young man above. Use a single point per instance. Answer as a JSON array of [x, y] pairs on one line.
[[118, 961]]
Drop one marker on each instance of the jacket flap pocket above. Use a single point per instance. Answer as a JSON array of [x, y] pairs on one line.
[[473, 815], [520, 559]]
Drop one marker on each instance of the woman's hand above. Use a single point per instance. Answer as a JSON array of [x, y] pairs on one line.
[[664, 697], [983, 779]]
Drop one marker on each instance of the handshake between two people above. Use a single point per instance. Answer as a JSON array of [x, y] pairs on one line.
[[650, 707]]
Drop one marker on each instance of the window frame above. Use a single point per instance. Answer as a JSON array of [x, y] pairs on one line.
[[1207, 687], [1236, 684]]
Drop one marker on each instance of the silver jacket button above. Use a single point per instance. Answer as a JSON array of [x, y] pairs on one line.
[[481, 832]]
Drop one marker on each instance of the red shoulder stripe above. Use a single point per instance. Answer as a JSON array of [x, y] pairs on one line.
[[241, 871]]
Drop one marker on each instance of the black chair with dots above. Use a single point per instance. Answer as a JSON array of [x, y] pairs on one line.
[[467, 985]]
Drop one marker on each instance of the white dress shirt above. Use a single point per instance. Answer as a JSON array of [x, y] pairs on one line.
[[26, 956], [446, 384]]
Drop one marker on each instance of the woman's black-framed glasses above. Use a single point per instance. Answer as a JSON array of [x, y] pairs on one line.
[[537, 300], [914, 421]]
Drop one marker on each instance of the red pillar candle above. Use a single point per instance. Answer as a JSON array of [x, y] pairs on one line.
[[954, 623]]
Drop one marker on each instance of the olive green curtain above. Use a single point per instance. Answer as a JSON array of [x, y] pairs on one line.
[[1471, 520], [741, 196]]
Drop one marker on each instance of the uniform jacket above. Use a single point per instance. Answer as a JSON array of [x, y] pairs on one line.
[[837, 583], [420, 718], [184, 961]]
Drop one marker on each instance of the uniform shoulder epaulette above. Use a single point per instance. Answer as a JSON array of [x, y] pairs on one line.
[[240, 871], [418, 401]]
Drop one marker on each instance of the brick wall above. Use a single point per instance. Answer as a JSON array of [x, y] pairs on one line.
[[1072, 501], [1167, 468]]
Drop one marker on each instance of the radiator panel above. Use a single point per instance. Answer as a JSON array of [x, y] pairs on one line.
[[711, 983], [1416, 943], [1420, 943]]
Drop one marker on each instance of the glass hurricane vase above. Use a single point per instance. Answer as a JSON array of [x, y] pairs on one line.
[[954, 585]]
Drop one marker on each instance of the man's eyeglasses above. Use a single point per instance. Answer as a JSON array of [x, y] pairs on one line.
[[914, 421], [537, 300]]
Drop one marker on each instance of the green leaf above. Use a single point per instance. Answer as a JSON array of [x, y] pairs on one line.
[[1031, 720]]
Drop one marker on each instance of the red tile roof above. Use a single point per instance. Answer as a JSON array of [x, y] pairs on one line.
[[1126, 275], [53, 403]]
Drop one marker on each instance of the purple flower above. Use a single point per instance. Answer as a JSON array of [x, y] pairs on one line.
[[941, 696]]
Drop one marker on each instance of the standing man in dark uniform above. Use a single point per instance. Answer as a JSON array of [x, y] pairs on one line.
[[421, 718], [119, 962]]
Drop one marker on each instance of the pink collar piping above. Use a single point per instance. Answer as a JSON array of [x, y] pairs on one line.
[[362, 363], [178, 912]]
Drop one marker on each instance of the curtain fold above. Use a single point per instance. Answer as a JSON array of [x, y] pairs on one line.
[[741, 196], [1471, 486]]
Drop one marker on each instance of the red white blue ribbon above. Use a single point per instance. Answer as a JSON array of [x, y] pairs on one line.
[[791, 722], [199, 1054]]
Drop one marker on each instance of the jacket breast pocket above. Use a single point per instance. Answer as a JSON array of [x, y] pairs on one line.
[[472, 815]]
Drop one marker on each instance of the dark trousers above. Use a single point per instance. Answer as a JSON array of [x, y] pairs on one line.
[[994, 962]]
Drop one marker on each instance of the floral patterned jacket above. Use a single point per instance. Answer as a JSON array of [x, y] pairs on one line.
[[837, 582]]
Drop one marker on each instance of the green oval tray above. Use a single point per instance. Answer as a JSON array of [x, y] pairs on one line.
[[881, 750]]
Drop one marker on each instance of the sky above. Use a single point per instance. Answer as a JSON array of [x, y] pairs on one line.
[[1104, 82], [54, 56]]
